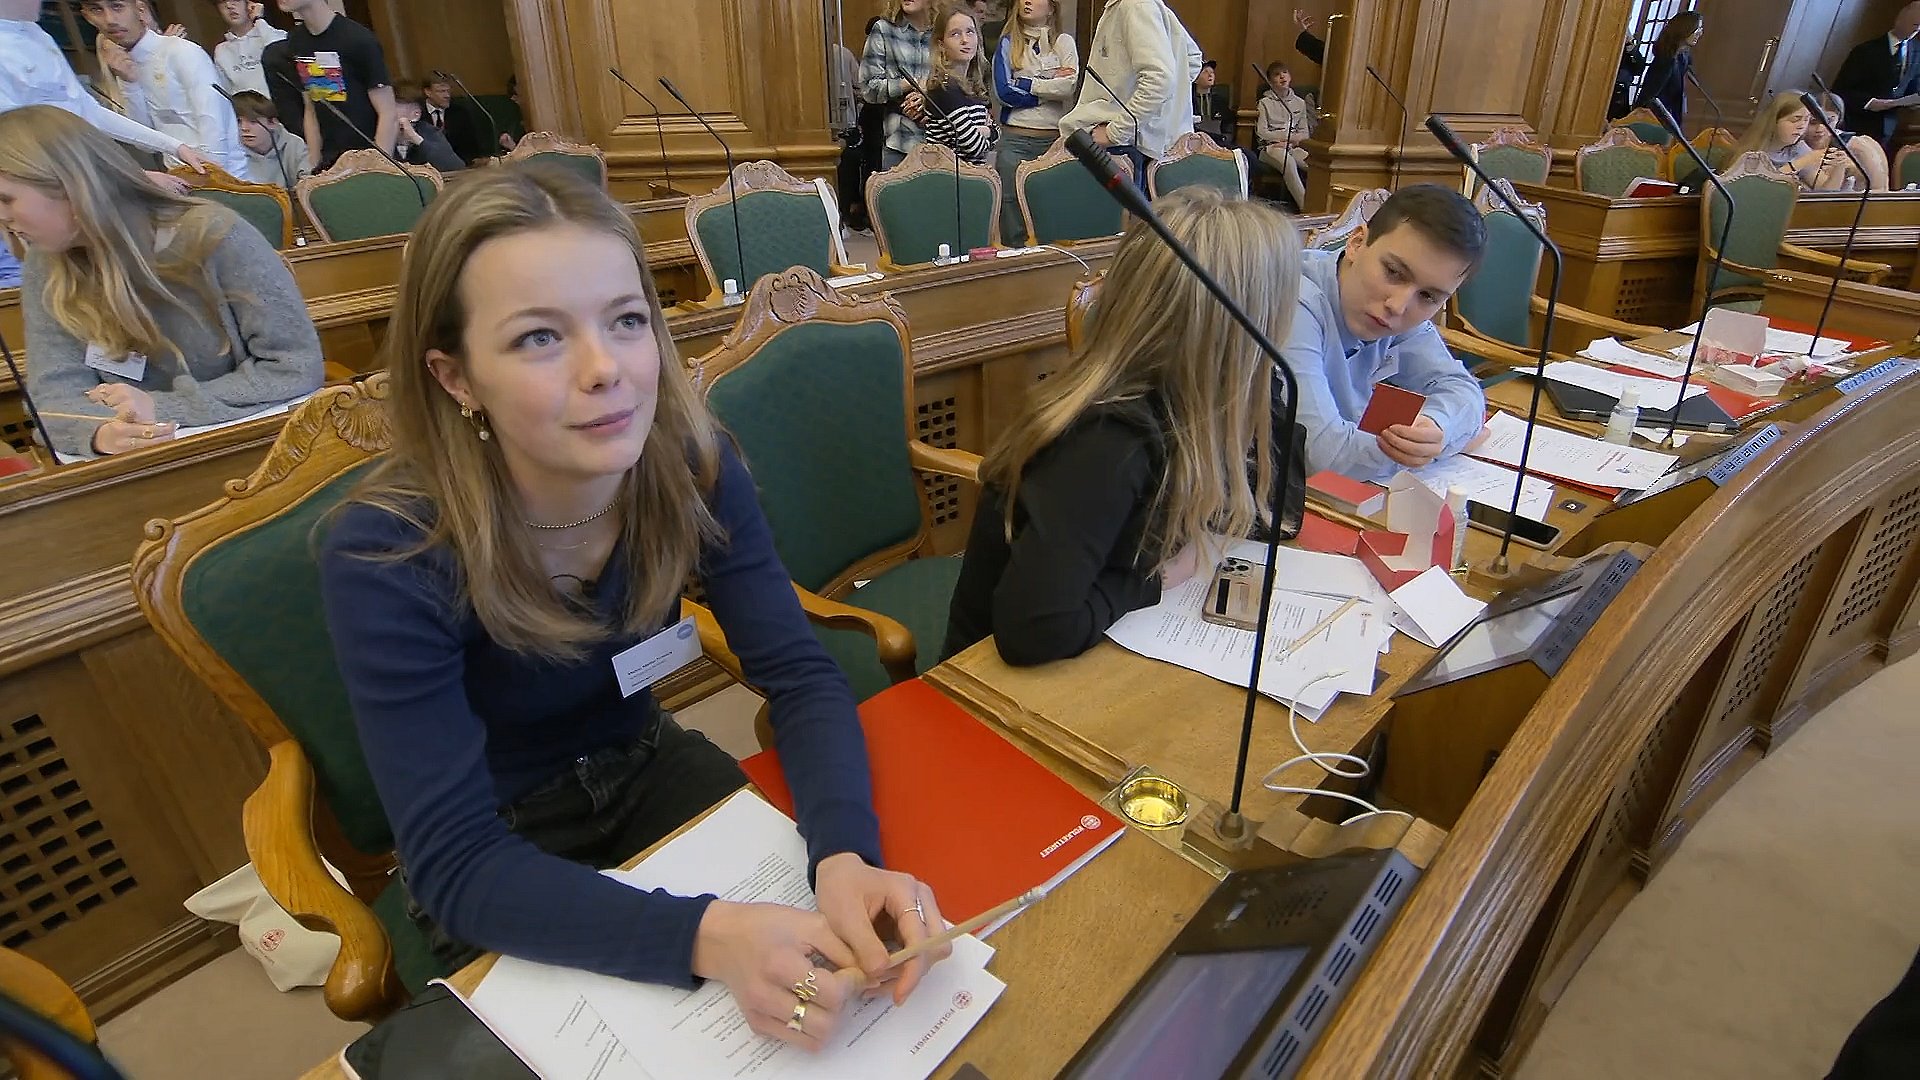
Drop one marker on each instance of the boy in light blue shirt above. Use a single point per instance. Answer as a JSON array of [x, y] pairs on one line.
[[1365, 317]]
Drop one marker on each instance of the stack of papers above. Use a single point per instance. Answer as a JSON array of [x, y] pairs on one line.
[[1309, 587], [1610, 351], [1571, 457], [189, 432], [575, 1025], [1656, 394], [1778, 341], [1487, 484]]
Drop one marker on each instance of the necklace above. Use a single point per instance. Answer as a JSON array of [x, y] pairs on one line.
[[595, 516]]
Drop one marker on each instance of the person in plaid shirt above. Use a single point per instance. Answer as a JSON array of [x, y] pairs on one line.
[[900, 45]]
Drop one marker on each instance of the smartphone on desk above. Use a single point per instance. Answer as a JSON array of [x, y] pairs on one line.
[[435, 1038], [1234, 599], [1534, 534]]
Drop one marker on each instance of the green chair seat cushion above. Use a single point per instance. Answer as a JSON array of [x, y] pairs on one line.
[[783, 229], [1611, 171], [263, 212], [254, 598], [1653, 133], [819, 414], [1068, 204], [1197, 169], [370, 204], [1909, 171], [917, 215], [413, 958], [917, 593], [1514, 163]]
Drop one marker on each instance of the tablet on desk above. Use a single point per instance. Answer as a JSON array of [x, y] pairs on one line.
[[1697, 413]]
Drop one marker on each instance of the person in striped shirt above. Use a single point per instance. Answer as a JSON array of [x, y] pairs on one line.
[[958, 115]]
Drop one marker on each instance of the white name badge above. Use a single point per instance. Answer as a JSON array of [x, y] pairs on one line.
[[657, 657], [132, 367]]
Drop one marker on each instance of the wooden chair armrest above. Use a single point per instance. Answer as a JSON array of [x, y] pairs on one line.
[[891, 639], [841, 270], [1487, 348], [937, 459], [1609, 326], [47, 995], [713, 640], [278, 823], [1872, 271]]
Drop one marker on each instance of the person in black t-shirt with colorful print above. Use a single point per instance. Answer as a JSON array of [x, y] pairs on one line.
[[339, 63]]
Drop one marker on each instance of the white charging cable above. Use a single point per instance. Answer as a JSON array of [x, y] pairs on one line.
[[1328, 760]]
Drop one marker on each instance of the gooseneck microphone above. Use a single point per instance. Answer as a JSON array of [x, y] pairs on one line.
[[959, 250], [1665, 116], [493, 126], [1719, 118], [1117, 100], [660, 130], [33, 411], [1866, 192], [1232, 825], [733, 193], [1459, 150], [1400, 153], [355, 128], [272, 140]]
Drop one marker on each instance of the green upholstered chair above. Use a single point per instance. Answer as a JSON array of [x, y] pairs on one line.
[[1333, 235], [1060, 200], [1756, 246], [266, 207], [366, 195], [1511, 154], [1714, 144], [1610, 166], [913, 207], [1906, 167], [817, 389], [589, 161], [1645, 126], [1494, 310], [786, 222], [1196, 159]]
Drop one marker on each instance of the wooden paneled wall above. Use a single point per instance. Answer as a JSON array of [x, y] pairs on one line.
[[466, 37]]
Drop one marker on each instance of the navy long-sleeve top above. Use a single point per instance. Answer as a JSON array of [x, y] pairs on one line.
[[454, 726]]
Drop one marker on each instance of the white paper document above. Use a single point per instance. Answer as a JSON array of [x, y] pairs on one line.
[[1487, 484], [576, 1025], [1431, 608], [1611, 351], [1657, 394], [1173, 631], [1778, 341], [1572, 457], [1658, 435], [189, 432]]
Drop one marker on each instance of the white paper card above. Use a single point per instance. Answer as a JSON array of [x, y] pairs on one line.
[[657, 657], [1487, 484], [1611, 351], [1572, 457], [1431, 608], [1657, 394], [131, 367], [1414, 509]]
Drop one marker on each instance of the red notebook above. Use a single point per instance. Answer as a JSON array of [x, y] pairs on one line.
[[1390, 406], [961, 808]]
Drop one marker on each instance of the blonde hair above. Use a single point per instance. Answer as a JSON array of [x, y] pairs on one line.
[[1157, 331], [973, 80], [1014, 33], [105, 288], [454, 487], [1759, 135]]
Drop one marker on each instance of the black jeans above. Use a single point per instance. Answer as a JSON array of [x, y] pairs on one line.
[[608, 807], [1886, 1045]]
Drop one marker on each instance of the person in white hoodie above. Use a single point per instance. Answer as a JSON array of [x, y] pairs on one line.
[[1035, 71], [1141, 50]]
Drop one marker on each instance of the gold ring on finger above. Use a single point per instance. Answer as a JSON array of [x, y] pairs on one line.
[[799, 1017], [807, 989]]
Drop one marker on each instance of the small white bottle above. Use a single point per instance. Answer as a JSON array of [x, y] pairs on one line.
[[1626, 414], [730, 293], [945, 256], [1457, 502]]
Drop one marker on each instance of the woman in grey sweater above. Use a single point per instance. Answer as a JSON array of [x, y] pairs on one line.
[[143, 309]]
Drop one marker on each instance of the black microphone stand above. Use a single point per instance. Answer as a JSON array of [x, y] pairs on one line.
[[660, 130], [1866, 192], [493, 126], [1719, 118], [1140, 180], [959, 243], [1399, 153], [1232, 826], [1719, 257], [33, 411], [271, 141], [733, 192], [355, 128], [1459, 150]]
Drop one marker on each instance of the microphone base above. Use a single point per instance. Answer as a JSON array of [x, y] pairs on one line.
[[1234, 831]]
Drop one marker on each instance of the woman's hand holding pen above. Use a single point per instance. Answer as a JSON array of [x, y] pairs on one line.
[[765, 955], [860, 902], [133, 426]]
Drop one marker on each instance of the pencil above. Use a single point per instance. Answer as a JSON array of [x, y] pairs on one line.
[[1320, 626], [76, 416], [978, 922]]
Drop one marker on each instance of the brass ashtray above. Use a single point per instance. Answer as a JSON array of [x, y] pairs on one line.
[[1152, 802]]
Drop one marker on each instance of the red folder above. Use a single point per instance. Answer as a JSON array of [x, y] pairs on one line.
[[961, 808]]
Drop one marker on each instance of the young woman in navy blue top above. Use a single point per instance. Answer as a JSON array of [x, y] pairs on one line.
[[555, 480]]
